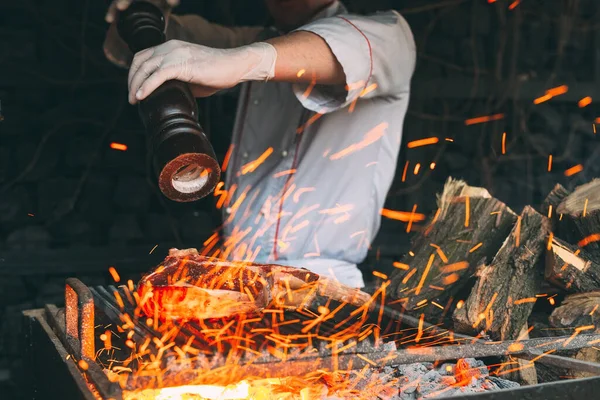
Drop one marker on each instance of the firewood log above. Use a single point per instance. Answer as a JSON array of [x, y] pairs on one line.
[[580, 221], [580, 312], [504, 294], [466, 231], [571, 268], [552, 201]]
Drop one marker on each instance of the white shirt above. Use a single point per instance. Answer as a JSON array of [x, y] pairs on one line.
[[310, 168]]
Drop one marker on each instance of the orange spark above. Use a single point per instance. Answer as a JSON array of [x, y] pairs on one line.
[[252, 165], [460, 304], [115, 275], [300, 191], [118, 146], [370, 137], [432, 165], [467, 211], [310, 121], [550, 163], [549, 245], [504, 143], [310, 87], [368, 89], [558, 90], [450, 279], [542, 99], [411, 219], [425, 273], [284, 173], [518, 232], [437, 305], [409, 275], [402, 216], [380, 275], [514, 347], [401, 266], [301, 72], [404, 172], [227, 157], [422, 142], [514, 4], [478, 245], [551, 301], [420, 329], [586, 101], [417, 168], [459, 266], [525, 300], [83, 365], [594, 237], [440, 252], [585, 208], [486, 118], [574, 170]]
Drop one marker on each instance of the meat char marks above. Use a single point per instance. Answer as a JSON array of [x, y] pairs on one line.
[[188, 286]]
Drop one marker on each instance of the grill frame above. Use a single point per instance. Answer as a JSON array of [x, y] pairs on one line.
[[51, 369]]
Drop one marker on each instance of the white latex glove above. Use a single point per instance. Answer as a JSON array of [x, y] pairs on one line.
[[115, 49], [207, 69]]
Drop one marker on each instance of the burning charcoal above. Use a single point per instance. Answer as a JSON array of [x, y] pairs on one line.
[[421, 380]]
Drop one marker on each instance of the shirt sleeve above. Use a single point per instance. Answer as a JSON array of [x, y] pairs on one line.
[[377, 54], [195, 29]]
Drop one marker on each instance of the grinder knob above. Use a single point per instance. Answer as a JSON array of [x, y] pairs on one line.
[[183, 157]]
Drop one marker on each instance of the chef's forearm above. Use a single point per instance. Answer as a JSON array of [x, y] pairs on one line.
[[305, 57]]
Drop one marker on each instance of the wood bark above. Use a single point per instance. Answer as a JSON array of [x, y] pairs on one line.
[[580, 313], [525, 374], [504, 294], [577, 310], [466, 231], [554, 198], [571, 268], [580, 221]]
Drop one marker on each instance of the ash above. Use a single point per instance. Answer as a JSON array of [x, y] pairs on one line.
[[423, 381]]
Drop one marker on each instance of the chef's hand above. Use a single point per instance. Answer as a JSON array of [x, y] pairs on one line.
[[207, 69], [115, 49]]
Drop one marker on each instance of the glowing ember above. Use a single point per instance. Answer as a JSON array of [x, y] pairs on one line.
[[464, 373]]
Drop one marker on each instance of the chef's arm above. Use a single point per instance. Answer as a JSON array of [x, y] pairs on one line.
[[304, 57], [350, 56]]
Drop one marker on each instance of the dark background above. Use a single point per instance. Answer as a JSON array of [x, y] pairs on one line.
[[72, 206]]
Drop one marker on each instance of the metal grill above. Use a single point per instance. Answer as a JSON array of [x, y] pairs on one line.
[[57, 339]]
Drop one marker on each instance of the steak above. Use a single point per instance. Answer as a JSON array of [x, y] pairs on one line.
[[189, 286]]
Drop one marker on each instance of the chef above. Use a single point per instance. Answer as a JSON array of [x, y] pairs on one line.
[[318, 127]]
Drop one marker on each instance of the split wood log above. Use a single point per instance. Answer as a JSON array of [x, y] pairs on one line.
[[580, 221], [551, 203], [581, 313], [466, 231], [577, 310], [504, 294], [571, 268]]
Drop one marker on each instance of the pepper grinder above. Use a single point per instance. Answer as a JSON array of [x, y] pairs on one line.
[[183, 157]]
